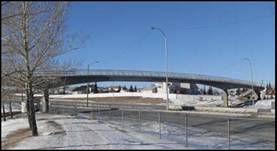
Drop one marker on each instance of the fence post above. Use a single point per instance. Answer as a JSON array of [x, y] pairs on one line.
[[160, 130], [186, 129], [98, 107], [228, 125], [122, 118], [139, 121], [95, 109], [110, 112], [75, 109], [92, 111], [11, 112]]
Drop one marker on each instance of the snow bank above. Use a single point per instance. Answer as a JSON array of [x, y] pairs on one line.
[[12, 125], [265, 104]]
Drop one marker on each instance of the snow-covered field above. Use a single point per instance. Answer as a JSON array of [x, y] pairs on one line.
[[179, 99]]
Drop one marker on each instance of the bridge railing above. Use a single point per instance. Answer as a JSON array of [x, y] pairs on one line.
[[187, 76]]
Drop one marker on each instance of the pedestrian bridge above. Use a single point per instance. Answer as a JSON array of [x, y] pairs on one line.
[[83, 76]]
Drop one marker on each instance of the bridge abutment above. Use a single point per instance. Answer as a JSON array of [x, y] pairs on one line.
[[258, 94]]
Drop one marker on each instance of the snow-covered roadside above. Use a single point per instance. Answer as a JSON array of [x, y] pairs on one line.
[[174, 133], [80, 133], [69, 132], [12, 125], [265, 104]]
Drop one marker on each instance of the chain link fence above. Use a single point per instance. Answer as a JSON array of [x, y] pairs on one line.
[[191, 130]]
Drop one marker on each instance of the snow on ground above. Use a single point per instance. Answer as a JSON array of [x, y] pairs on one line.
[[12, 125], [263, 104], [80, 132], [266, 104], [178, 99], [198, 138]]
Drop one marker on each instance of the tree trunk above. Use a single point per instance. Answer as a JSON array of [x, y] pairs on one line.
[[46, 99], [4, 115], [28, 107], [31, 113], [29, 80], [31, 109], [11, 112]]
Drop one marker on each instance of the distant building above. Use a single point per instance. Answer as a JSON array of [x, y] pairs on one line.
[[59, 90], [80, 90], [83, 89], [103, 90], [114, 89], [151, 89], [177, 88]]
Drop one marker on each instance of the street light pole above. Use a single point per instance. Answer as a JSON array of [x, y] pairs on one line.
[[251, 70], [88, 82], [87, 87], [166, 62]]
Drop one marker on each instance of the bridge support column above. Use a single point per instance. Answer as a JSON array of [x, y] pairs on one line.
[[226, 101], [164, 90], [258, 94], [45, 100]]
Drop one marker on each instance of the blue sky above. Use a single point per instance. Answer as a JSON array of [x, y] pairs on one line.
[[208, 38]]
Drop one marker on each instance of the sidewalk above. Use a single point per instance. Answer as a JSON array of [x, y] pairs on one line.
[[67, 132]]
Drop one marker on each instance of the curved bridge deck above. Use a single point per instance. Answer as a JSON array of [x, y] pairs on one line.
[[82, 76]]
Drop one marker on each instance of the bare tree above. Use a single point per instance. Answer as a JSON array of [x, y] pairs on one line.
[[50, 81], [33, 36]]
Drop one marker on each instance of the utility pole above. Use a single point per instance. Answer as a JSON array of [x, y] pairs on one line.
[[166, 62]]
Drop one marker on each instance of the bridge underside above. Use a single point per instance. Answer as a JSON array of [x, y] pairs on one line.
[[151, 76], [69, 80]]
